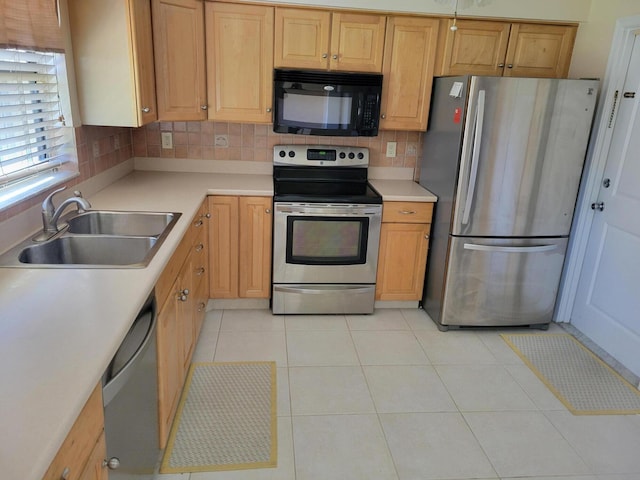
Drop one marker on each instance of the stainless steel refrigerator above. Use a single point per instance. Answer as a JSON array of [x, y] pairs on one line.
[[505, 157]]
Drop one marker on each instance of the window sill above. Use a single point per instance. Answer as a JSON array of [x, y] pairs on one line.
[[29, 188]]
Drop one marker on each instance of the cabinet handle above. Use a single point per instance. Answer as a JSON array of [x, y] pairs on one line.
[[501, 65], [201, 306], [383, 116], [267, 211], [427, 237], [335, 57], [146, 109], [269, 110], [200, 271], [324, 55], [112, 463], [407, 212], [65, 474], [199, 247], [204, 107], [198, 223], [510, 65]]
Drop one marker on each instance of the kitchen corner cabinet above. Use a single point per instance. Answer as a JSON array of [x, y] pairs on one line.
[[506, 49], [409, 60], [240, 246], [182, 305], [239, 62], [404, 242], [113, 57], [319, 39], [83, 452], [179, 46]]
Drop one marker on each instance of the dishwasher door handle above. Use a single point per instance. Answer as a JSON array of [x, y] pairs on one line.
[[111, 388]]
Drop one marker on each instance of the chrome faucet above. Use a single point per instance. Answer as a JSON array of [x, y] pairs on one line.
[[51, 215]]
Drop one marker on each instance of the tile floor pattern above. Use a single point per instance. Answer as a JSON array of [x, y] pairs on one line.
[[389, 397]]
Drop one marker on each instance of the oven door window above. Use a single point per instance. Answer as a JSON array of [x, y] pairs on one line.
[[327, 240]]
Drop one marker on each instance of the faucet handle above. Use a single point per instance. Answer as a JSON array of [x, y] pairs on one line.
[[47, 204]]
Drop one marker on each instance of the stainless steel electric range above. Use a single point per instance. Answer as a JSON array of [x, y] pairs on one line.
[[326, 230]]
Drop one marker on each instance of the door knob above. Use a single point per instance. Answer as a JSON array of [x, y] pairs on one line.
[[597, 206]]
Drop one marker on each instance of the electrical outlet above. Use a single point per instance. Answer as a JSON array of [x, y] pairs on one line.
[[116, 142], [96, 149], [411, 150], [167, 139], [391, 149], [222, 141]]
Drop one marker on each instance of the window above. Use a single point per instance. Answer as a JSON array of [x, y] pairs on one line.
[[35, 144]]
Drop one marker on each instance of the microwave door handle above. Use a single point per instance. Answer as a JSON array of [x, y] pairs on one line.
[[475, 154]]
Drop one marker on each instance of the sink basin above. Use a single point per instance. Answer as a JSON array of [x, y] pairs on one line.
[[103, 222], [90, 250]]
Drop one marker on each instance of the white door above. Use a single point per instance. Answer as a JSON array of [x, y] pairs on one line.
[[607, 304]]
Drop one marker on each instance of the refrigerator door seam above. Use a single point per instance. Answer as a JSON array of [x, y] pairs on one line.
[[475, 154]]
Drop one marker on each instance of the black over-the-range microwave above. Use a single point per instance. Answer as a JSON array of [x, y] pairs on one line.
[[309, 102]]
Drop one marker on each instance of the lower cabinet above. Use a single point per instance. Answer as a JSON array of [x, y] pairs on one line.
[[240, 250], [404, 242], [83, 453], [182, 295]]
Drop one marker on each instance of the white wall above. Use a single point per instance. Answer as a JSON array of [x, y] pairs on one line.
[[593, 42], [567, 10]]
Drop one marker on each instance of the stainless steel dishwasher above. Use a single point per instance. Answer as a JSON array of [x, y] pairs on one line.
[[130, 397]]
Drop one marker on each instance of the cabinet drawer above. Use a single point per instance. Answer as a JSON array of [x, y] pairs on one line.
[[78, 446], [407, 212]]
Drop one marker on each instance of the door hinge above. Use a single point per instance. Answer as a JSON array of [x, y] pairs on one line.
[[613, 108]]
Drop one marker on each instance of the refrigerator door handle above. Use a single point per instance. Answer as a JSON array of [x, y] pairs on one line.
[[475, 154], [491, 248]]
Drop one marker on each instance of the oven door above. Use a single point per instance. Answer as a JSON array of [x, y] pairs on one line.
[[325, 243]]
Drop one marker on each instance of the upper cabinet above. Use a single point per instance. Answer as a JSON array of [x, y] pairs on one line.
[[239, 62], [113, 56], [409, 58], [320, 39], [178, 27], [506, 49]]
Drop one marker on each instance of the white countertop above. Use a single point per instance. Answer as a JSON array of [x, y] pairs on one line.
[[402, 191], [59, 328]]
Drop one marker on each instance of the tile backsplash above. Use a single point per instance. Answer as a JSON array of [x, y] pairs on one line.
[[243, 141]]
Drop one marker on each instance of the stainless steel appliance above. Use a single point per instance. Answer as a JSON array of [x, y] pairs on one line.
[[326, 230], [130, 397], [311, 102], [505, 157]]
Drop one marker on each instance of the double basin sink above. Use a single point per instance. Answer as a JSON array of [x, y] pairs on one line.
[[97, 239]]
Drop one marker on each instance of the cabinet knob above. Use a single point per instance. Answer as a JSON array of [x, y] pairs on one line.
[[199, 247], [185, 291], [182, 298], [510, 65], [204, 107], [201, 307], [199, 223], [501, 65], [65, 473], [200, 271], [112, 463], [267, 211], [207, 215], [146, 109], [335, 57], [324, 55], [268, 109], [383, 116], [427, 237]]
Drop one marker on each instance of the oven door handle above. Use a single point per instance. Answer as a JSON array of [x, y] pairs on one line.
[[319, 291], [320, 212]]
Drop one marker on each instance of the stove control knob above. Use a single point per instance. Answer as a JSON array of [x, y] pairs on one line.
[[360, 156], [351, 155], [282, 153], [342, 155], [292, 153]]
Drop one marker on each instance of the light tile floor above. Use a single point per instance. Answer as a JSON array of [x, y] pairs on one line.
[[388, 396]]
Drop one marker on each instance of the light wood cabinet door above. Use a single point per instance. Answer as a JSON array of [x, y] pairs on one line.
[[223, 247], [170, 362], [409, 59], [402, 261], [186, 311], [475, 48], [114, 65], [178, 29], [539, 51], [301, 38], [95, 468], [239, 62], [255, 247], [322, 40], [357, 42]]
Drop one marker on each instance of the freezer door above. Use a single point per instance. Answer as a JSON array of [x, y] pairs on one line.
[[522, 156], [494, 282]]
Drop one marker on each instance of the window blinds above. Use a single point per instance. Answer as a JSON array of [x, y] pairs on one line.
[[31, 24], [32, 132]]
